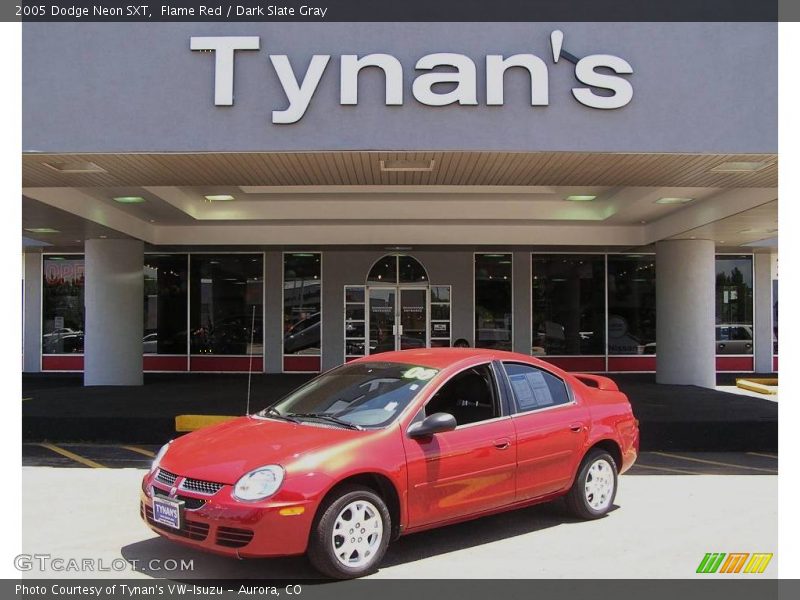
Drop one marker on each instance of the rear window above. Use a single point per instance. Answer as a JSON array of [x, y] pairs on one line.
[[534, 388]]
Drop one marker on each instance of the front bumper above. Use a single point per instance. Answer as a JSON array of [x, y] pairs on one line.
[[218, 523]]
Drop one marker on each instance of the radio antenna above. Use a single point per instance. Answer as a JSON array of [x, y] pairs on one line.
[[250, 366]]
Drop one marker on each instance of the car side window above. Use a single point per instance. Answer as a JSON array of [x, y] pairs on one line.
[[535, 388], [470, 396]]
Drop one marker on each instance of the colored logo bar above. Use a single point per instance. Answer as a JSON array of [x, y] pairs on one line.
[[735, 562]]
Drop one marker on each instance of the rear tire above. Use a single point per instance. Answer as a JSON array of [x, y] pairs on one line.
[[351, 533], [592, 494]]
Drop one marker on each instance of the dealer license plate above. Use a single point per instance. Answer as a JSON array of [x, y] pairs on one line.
[[168, 512]]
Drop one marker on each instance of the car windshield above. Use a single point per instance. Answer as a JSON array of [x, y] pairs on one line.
[[368, 394]]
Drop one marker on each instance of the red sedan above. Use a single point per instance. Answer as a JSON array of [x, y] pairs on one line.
[[392, 444]]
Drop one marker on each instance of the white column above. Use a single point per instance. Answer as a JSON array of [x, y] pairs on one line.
[[762, 313], [114, 304], [32, 313], [685, 284]]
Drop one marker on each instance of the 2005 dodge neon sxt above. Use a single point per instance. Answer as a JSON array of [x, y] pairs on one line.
[[392, 444]]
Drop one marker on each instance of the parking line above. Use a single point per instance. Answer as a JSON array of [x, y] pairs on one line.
[[775, 456], [139, 450], [714, 462], [26, 399], [681, 471], [72, 456]]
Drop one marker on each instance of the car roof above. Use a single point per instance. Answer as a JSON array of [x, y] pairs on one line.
[[439, 358]]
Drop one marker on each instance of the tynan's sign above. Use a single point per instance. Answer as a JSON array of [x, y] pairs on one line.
[[595, 72]]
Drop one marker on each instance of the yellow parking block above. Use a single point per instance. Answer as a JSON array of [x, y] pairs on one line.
[[761, 386], [195, 422]]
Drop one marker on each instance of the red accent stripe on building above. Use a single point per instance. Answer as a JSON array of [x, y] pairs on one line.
[[303, 363], [734, 363], [62, 362], [775, 363], [153, 362], [226, 363], [645, 363], [577, 363]]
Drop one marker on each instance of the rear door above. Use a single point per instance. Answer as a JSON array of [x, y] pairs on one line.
[[551, 429], [468, 470]]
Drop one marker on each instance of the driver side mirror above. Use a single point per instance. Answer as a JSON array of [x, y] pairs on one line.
[[435, 423]]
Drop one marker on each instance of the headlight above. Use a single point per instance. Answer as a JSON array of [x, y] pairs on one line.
[[259, 483], [159, 456]]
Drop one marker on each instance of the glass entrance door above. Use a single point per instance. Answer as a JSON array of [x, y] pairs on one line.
[[413, 330], [382, 319], [398, 318]]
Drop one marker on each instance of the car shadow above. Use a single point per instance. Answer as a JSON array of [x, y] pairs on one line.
[[411, 548]]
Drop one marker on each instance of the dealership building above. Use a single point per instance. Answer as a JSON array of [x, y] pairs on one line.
[[285, 197]]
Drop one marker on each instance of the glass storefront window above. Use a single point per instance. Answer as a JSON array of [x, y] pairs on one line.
[[440, 316], [226, 300], [493, 301], [631, 304], [393, 268], [302, 297], [165, 289], [354, 321], [775, 316], [62, 304], [734, 304], [568, 304]]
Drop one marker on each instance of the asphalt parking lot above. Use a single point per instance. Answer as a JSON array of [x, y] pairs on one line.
[[672, 509]]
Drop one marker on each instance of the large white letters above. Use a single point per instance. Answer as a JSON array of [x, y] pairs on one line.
[[450, 78], [224, 48], [496, 68], [299, 96], [586, 73], [466, 87], [392, 70]]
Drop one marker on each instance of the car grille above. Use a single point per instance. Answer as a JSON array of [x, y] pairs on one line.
[[232, 537], [166, 477], [189, 502], [201, 487], [191, 529]]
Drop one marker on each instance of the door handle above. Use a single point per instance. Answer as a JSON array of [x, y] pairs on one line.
[[576, 427], [502, 444]]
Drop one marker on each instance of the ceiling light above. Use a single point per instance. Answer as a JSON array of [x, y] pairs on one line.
[[219, 198], [41, 230], [129, 199], [754, 230], [75, 167], [740, 166], [580, 198], [407, 165], [673, 200]]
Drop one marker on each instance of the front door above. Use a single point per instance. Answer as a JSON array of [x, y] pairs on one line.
[[471, 469], [398, 318]]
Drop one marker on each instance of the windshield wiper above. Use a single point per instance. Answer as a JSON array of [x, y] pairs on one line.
[[273, 412], [327, 417]]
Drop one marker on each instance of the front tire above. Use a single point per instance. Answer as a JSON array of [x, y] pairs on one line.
[[351, 535], [592, 494]]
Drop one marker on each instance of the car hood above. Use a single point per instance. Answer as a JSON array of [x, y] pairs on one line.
[[223, 453]]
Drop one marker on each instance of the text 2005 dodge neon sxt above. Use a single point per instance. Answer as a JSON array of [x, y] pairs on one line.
[[392, 444]]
